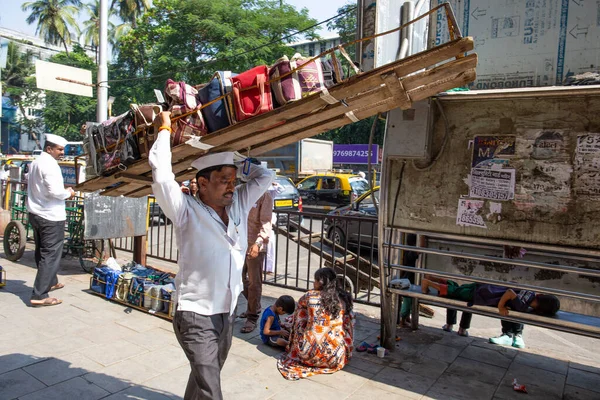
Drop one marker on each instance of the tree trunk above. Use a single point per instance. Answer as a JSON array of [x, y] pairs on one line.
[[65, 44]]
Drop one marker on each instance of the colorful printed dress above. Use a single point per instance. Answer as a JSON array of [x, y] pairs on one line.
[[319, 344]]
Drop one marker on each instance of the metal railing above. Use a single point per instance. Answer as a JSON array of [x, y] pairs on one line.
[[303, 243], [306, 242], [584, 264]]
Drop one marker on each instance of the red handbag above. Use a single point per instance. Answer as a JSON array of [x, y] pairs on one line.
[[256, 99]]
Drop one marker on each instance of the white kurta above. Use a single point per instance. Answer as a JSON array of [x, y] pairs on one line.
[[211, 255], [46, 193]]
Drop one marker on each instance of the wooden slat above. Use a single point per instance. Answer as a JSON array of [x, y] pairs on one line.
[[374, 96], [349, 88], [396, 89], [363, 94], [439, 73], [432, 89], [320, 128]]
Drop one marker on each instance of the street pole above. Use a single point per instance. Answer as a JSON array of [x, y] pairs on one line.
[[102, 108]]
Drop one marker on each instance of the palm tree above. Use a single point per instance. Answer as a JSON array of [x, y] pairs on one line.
[[91, 27], [129, 10], [54, 17]]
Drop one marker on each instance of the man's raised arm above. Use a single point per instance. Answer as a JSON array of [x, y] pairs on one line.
[[166, 190]]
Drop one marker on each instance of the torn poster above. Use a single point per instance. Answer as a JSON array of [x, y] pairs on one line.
[[493, 184], [469, 213], [491, 150], [587, 166]]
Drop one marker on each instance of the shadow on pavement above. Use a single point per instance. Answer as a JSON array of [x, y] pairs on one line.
[[27, 377]]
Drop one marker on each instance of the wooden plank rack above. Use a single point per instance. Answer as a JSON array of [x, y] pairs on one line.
[[394, 85]]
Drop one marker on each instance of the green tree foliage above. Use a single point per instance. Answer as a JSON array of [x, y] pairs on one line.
[[190, 39], [90, 35], [130, 10], [65, 113], [356, 133], [18, 82], [55, 19], [346, 26]]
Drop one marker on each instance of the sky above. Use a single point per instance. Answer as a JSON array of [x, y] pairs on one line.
[[12, 17]]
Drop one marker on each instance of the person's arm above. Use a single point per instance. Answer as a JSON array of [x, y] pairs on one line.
[[265, 212], [506, 297], [257, 182], [267, 329], [167, 191], [55, 185]]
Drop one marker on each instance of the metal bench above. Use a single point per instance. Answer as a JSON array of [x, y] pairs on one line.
[[579, 317], [562, 321]]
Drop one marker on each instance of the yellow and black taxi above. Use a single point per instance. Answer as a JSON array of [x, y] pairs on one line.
[[286, 198], [327, 191]]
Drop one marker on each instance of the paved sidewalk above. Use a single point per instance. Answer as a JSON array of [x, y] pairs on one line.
[[90, 348]]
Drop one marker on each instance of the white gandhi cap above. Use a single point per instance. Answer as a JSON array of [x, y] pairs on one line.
[[58, 140], [213, 160]]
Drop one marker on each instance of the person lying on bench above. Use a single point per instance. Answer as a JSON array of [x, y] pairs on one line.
[[496, 296]]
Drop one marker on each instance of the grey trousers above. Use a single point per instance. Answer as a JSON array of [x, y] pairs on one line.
[[49, 238], [205, 340], [252, 279]]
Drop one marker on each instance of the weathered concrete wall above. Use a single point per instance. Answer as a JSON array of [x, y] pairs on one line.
[[553, 147], [557, 190]]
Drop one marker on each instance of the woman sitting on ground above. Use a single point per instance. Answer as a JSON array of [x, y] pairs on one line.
[[321, 340]]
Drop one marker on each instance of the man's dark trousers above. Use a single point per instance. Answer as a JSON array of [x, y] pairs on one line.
[[205, 340], [49, 238], [252, 279], [512, 328]]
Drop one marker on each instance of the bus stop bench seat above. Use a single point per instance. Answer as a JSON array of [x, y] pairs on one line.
[[563, 321]]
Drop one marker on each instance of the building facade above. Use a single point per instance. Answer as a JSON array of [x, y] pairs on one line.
[[13, 139]]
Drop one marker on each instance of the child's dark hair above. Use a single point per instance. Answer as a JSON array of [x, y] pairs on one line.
[[331, 294], [547, 304], [287, 303]]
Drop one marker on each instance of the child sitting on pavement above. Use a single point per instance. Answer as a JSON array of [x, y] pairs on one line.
[[496, 296], [271, 331]]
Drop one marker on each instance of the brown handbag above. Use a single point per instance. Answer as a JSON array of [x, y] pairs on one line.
[[146, 139], [145, 113]]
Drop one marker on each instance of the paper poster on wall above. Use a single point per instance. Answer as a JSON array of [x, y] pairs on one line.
[[490, 151], [469, 213], [587, 165], [493, 184]]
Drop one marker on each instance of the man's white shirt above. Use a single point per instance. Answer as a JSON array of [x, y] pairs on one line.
[[46, 193], [211, 255]]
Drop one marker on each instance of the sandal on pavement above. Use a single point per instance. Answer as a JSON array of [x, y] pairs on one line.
[[364, 346], [248, 327], [243, 315], [50, 301], [463, 332], [57, 286], [447, 328]]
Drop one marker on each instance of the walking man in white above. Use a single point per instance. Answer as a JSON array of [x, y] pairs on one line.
[[46, 195], [211, 231]]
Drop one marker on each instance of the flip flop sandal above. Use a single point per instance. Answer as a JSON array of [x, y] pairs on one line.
[[364, 346], [57, 286], [243, 315], [446, 328], [50, 301], [248, 327]]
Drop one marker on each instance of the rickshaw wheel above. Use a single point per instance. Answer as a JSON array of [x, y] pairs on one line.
[[15, 238], [91, 255]]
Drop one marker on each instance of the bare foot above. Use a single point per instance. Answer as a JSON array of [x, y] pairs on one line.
[[50, 301]]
